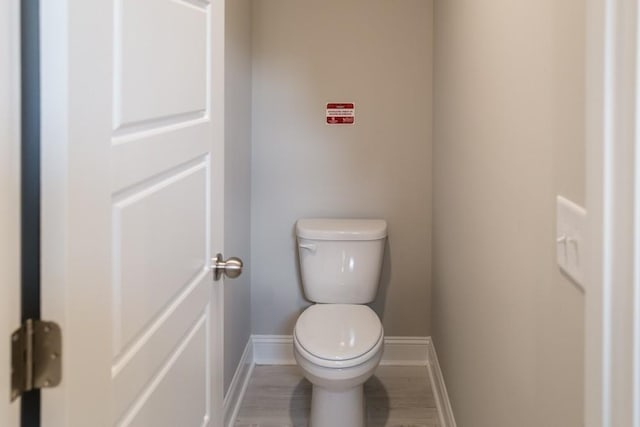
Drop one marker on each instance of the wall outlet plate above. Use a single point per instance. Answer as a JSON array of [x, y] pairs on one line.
[[570, 239]]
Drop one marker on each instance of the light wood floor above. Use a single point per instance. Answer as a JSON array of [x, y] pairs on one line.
[[396, 396]]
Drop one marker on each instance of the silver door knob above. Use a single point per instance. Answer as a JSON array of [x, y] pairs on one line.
[[230, 268]]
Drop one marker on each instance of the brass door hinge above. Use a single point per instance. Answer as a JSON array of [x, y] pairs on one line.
[[36, 357]]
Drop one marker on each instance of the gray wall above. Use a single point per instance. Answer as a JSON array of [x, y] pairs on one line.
[[378, 54], [509, 100], [237, 292]]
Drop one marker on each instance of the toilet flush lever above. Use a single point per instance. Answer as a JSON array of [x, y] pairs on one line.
[[308, 246], [230, 268]]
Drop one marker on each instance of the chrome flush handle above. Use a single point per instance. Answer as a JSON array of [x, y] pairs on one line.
[[230, 268], [308, 246]]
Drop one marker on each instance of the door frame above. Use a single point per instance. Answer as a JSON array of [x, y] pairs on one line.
[[612, 297], [9, 198]]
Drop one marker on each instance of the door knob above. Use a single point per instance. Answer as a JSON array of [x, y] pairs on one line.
[[230, 268]]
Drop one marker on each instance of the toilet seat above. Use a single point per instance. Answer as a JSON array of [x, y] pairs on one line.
[[338, 335]]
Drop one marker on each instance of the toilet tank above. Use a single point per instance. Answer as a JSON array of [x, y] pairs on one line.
[[341, 259]]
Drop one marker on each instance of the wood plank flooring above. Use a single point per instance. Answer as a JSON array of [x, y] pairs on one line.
[[279, 396]]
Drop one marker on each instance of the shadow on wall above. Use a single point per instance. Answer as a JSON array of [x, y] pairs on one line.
[[296, 250], [379, 304], [294, 317]]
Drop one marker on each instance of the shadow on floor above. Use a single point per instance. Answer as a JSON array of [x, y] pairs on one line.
[[377, 401], [300, 403], [376, 398]]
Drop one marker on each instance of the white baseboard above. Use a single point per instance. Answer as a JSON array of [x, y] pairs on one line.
[[405, 351], [398, 351], [278, 350], [238, 387], [439, 389], [273, 350]]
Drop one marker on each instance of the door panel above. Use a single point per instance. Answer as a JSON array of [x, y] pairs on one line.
[[130, 151], [133, 196], [160, 245], [170, 53], [135, 369], [179, 393]]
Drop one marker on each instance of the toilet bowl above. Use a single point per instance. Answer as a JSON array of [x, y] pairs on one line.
[[338, 347], [338, 341]]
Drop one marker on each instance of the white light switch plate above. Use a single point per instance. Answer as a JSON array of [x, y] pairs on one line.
[[570, 244]]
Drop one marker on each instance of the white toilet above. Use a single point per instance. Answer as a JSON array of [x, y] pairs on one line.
[[338, 341]]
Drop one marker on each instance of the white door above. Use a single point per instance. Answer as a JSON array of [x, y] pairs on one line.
[[132, 209], [9, 200]]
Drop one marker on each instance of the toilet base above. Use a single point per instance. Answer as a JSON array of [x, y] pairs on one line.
[[342, 408]]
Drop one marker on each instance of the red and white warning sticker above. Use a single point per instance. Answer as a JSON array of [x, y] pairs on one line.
[[341, 113]]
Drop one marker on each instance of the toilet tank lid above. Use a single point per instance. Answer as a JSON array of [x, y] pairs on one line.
[[341, 229]]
